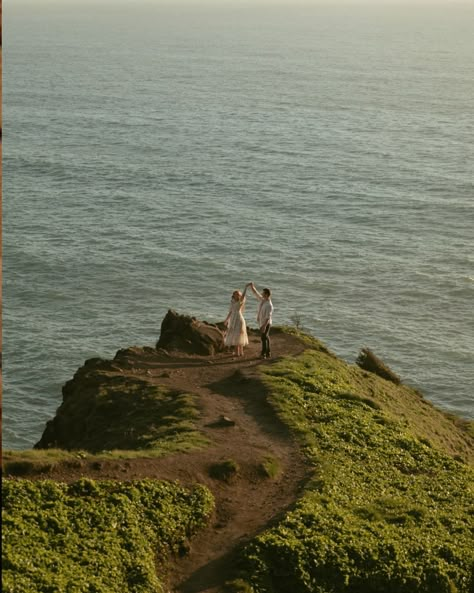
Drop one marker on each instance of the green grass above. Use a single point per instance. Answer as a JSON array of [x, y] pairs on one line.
[[463, 423], [270, 467], [30, 462], [224, 470], [129, 415], [307, 339], [114, 417], [97, 537], [386, 510], [238, 586]]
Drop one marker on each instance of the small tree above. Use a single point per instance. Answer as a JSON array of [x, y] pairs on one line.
[[295, 319]]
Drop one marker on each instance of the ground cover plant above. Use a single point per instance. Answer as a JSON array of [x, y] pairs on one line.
[[224, 470], [386, 510], [95, 537]]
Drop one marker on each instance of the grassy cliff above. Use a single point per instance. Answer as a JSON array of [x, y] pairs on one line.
[[390, 507]]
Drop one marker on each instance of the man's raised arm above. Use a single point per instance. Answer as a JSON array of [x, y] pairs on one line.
[[255, 292]]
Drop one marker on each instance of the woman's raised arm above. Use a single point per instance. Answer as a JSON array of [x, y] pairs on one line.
[[244, 292]]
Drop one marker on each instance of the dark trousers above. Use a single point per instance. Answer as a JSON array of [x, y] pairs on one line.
[[265, 337]]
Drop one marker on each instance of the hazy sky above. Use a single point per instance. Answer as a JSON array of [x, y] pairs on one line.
[[237, 2]]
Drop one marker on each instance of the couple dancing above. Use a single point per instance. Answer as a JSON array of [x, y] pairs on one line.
[[236, 334]]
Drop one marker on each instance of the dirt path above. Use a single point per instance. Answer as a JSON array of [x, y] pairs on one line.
[[227, 386]]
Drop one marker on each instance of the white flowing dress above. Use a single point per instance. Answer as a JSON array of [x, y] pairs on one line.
[[236, 334]]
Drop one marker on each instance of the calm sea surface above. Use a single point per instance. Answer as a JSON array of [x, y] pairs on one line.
[[160, 158]]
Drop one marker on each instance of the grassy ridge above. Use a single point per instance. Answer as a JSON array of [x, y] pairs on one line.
[[146, 423], [104, 412], [95, 537], [387, 511], [116, 420]]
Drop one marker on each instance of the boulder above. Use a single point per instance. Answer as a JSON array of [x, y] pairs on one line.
[[188, 334]]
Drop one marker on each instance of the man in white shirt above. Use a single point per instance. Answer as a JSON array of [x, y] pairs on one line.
[[264, 317]]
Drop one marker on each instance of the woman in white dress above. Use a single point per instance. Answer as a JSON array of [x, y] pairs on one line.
[[236, 334]]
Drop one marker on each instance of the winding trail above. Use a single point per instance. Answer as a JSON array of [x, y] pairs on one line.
[[228, 386]]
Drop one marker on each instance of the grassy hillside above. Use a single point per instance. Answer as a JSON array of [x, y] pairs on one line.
[[390, 508], [99, 537]]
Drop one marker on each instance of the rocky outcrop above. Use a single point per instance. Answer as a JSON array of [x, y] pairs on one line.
[[188, 334], [106, 407], [68, 428]]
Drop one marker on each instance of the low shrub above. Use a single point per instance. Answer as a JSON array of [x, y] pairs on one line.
[[101, 537], [224, 470], [270, 467], [368, 361], [238, 586]]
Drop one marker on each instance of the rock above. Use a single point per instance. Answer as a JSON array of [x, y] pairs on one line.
[[95, 362], [225, 421], [129, 355], [188, 334]]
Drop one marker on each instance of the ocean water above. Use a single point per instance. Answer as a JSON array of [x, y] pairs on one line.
[[161, 157]]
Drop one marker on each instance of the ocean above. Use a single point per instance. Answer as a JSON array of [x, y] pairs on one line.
[[160, 157]]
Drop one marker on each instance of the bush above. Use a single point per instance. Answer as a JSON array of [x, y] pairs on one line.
[[224, 470], [270, 467], [369, 362], [95, 536]]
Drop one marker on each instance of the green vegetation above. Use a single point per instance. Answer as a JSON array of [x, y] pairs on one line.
[[224, 470], [130, 414], [389, 508], [32, 462], [368, 361], [270, 467], [386, 510], [238, 586], [29, 462], [115, 419], [99, 537], [307, 339], [463, 423]]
